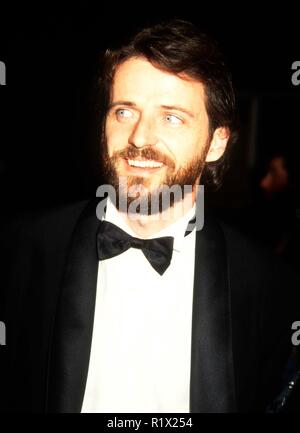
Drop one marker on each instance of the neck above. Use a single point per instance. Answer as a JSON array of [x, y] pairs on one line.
[[147, 225]]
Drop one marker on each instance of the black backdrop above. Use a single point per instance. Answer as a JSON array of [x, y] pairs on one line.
[[51, 58]]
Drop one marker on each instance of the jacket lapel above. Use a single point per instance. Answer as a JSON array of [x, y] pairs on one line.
[[212, 382], [72, 334]]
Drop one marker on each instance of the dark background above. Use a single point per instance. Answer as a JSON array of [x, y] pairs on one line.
[[52, 56]]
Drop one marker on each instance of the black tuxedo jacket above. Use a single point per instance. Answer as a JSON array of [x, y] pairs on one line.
[[243, 308]]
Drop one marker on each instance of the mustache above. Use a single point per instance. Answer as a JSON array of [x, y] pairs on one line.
[[146, 153]]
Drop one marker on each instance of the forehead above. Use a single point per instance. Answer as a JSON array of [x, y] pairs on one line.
[[137, 80]]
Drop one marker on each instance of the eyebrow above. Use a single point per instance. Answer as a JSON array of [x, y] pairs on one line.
[[178, 108], [166, 107], [128, 103]]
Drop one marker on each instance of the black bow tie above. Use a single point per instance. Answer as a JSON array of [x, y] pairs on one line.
[[112, 241]]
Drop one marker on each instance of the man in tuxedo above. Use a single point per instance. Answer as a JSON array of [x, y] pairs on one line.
[[120, 306]]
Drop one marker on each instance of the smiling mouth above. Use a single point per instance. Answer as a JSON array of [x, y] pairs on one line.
[[141, 163]]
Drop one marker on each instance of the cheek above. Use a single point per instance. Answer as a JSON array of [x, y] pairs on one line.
[[187, 145], [115, 137], [200, 141], [177, 141]]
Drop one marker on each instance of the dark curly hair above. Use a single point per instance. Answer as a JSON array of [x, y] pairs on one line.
[[178, 46]]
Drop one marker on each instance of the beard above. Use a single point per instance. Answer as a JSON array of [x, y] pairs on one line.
[[144, 189]]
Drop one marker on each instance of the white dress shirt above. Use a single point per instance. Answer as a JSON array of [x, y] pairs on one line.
[[141, 345]]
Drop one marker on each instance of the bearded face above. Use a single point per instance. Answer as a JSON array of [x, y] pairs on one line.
[[156, 133], [157, 187]]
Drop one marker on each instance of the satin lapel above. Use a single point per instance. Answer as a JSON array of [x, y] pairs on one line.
[[69, 358], [212, 383]]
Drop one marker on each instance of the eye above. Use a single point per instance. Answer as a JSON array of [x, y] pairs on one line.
[[171, 118], [123, 113]]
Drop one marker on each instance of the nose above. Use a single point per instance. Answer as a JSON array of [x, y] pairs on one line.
[[143, 133]]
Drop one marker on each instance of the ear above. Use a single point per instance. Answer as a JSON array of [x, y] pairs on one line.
[[218, 144]]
